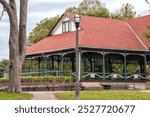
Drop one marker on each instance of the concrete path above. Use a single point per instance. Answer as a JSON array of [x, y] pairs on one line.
[[147, 91], [43, 96]]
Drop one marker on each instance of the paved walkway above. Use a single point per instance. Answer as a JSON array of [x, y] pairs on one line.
[[43, 96], [147, 91]]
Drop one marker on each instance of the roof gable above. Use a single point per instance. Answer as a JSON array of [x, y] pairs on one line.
[[58, 29]]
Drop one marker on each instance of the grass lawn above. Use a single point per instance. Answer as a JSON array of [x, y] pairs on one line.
[[105, 95], [15, 96]]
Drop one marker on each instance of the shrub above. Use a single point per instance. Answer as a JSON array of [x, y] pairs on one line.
[[42, 79], [3, 80], [47, 79]]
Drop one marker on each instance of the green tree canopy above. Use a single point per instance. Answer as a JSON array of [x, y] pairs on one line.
[[125, 13], [147, 33], [42, 29], [3, 65], [91, 8]]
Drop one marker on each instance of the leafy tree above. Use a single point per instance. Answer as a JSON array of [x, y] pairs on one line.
[[91, 8], [125, 13], [42, 29], [147, 1], [71, 10], [4, 65], [147, 33]]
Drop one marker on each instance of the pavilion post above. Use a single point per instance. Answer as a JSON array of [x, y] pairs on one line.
[[58, 62], [62, 63], [84, 64], [104, 66], [30, 64], [46, 61], [125, 66], [145, 64], [39, 65], [46, 64], [94, 65], [91, 64], [52, 62]]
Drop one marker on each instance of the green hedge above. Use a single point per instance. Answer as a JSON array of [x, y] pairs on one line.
[[42, 79], [3, 80]]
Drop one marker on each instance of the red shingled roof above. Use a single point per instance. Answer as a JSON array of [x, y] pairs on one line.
[[98, 33], [139, 25]]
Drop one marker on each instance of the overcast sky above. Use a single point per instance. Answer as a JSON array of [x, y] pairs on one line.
[[40, 9]]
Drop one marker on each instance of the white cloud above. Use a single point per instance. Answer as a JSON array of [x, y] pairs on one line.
[[140, 6]]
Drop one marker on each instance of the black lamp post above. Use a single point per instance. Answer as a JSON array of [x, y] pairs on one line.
[[77, 23]]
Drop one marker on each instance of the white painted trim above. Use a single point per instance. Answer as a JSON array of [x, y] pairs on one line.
[[136, 36]]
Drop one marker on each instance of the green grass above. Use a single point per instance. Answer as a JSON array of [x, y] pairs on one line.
[[15, 96], [105, 95]]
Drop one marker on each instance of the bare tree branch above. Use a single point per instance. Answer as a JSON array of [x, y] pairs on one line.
[[6, 5], [2, 13], [147, 1]]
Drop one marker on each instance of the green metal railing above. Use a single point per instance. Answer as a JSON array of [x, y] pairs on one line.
[[100, 75], [84, 75], [45, 72]]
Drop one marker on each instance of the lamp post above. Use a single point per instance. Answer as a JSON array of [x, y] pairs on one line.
[[77, 23]]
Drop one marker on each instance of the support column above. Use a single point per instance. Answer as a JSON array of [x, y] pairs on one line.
[[58, 62], [52, 62], [145, 64], [62, 63], [85, 64], [104, 68], [31, 64], [91, 64], [47, 62], [94, 65], [39, 63], [141, 63], [72, 62], [46, 67], [109, 65], [125, 66]]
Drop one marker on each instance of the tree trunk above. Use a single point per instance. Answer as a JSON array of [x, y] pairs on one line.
[[14, 80], [17, 42]]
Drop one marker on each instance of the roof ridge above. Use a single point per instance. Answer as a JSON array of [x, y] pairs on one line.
[[83, 15], [138, 38]]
